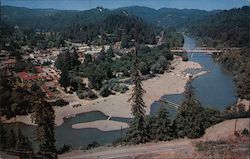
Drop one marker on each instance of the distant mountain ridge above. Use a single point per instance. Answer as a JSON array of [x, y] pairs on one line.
[[168, 17], [44, 18], [50, 19]]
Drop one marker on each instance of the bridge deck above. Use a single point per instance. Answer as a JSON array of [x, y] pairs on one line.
[[170, 103], [197, 51], [200, 50]]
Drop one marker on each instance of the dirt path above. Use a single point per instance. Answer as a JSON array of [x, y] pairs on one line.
[[181, 146]]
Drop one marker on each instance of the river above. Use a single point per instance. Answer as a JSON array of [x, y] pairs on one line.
[[215, 89]]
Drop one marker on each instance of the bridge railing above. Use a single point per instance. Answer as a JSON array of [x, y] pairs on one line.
[[203, 48]]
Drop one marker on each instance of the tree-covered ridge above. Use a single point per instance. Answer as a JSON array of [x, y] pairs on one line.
[[116, 27], [54, 20], [48, 20], [168, 17], [228, 28], [98, 26]]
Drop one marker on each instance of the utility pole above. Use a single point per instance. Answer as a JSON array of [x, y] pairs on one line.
[[235, 125], [17, 140], [0, 11], [121, 136]]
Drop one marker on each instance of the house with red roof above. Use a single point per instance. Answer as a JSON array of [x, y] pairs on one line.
[[47, 91], [39, 69], [26, 77]]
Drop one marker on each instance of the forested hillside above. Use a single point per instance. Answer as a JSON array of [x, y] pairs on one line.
[[238, 63], [116, 27], [48, 20], [44, 18], [168, 17], [99, 25], [228, 28]]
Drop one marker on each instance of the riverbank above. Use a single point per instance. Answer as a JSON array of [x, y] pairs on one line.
[[117, 105]]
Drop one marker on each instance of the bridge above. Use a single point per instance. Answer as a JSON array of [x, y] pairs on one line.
[[208, 50], [169, 103]]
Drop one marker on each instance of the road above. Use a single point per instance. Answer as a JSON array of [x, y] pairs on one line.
[[181, 147]]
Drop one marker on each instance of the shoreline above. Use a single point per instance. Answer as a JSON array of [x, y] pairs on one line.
[[117, 105]]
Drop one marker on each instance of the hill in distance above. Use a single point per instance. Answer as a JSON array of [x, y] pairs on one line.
[[51, 19]]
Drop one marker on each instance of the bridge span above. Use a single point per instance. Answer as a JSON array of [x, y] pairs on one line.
[[208, 50]]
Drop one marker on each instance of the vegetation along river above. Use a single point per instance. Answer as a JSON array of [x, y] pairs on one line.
[[215, 89]]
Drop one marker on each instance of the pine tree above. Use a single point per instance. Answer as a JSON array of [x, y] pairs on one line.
[[74, 60], [64, 77], [44, 117], [66, 62], [87, 59], [137, 131], [163, 125], [12, 140], [3, 137], [190, 117], [151, 127], [23, 143]]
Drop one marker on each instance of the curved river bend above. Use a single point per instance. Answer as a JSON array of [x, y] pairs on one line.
[[215, 89]]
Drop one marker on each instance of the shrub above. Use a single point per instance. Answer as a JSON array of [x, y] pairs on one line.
[[184, 57], [122, 88], [60, 102], [87, 94], [92, 145], [245, 132], [112, 82], [105, 91], [157, 68], [65, 148]]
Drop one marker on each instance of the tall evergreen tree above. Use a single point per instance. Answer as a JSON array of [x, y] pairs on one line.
[[87, 59], [137, 130], [151, 127], [190, 118], [12, 140], [44, 117], [64, 77], [163, 125], [3, 137], [23, 143], [74, 62]]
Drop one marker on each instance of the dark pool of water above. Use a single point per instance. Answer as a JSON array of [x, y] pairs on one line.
[[78, 138], [175, 98]]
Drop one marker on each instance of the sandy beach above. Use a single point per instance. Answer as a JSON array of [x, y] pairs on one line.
[[103, 125], [117, 105]]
